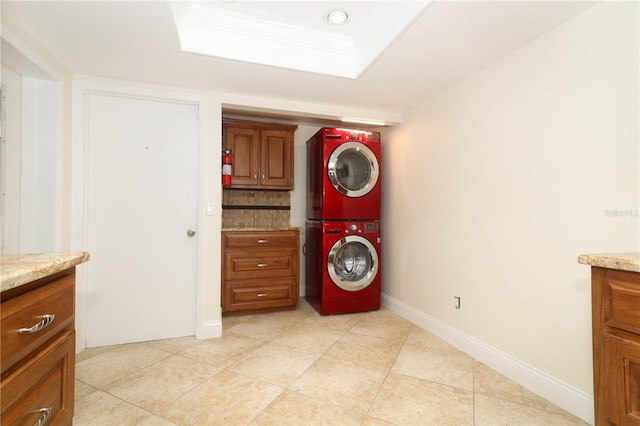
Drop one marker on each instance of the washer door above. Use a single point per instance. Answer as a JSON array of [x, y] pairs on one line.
[[353, 169], [352, 263]]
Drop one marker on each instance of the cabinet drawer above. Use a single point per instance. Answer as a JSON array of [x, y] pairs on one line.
[[262, 264], [621, 305], [44, 382], [257, 295], [620, 404], [273, 239], [27, 312]]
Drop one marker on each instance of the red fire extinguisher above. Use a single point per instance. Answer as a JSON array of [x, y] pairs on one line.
[[227, 162]]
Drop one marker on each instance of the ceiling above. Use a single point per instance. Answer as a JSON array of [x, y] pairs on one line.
[[138, 41]]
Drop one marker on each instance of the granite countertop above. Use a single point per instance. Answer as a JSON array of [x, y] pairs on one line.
[[621, 261], [276, 228], [19, 269]]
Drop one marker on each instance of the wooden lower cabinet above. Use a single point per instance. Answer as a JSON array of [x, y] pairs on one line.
[[41, 390], [260, 271], [616, 346], [37, 331]]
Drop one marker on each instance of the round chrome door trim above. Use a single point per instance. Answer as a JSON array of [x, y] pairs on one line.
[[367, 154], [371, 272]]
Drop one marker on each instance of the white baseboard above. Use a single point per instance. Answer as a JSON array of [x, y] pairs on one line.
[[209, 330], [572, 400]]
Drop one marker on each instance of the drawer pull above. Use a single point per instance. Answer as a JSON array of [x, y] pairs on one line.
[[263, 241], [46, 412], [262, 265], [262, 294], [46, 320]]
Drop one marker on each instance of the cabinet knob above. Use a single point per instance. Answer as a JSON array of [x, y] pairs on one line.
[[262, 265], [263, 241], [261, 294]]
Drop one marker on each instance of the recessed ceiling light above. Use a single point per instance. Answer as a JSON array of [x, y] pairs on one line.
[[338, 17]]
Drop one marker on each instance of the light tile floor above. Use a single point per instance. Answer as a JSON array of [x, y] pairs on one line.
[[300, 368]]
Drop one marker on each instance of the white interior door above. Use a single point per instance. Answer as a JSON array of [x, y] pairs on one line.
[[142, 201]]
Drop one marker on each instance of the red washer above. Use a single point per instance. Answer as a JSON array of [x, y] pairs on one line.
[[343, 175], [343, 266]]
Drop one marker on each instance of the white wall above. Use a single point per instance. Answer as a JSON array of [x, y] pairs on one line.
[[46, 126], [39, 166], [11, 151], [30, 164], [494, 187]]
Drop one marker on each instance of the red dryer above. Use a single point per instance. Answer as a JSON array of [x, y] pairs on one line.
[[343, 175]]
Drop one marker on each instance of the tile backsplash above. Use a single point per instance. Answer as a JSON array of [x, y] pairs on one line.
[[255, 209]]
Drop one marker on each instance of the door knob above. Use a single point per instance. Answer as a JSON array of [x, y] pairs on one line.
[[191, 232]]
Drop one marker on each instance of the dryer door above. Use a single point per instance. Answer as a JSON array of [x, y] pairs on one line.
[[352, 263], [353, 169]]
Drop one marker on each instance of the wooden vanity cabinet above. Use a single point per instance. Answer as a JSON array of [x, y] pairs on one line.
[[260, 271], [38, 351], [616, 346], [262, 154]]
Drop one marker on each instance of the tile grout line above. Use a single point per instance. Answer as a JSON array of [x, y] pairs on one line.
[[287, 388]]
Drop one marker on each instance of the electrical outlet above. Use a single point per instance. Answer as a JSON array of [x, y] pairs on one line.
[[456, 302]]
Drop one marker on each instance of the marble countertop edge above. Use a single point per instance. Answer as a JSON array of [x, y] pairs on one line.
[[620, 261], [19, 269]]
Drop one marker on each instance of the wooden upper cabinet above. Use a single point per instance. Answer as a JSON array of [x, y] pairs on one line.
[[262, 154], [244, 144], [276, 158]]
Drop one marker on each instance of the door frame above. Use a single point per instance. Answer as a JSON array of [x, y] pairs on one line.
[[82, 91]]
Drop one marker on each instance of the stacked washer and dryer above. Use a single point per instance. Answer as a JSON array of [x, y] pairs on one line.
[[343, 221]]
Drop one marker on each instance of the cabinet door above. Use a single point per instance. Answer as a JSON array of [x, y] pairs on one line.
[[618, 396], [41, 390], [276, 159], [244, 144]]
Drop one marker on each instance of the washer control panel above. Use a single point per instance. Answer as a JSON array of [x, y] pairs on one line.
[[352, 227], [360, 227]]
